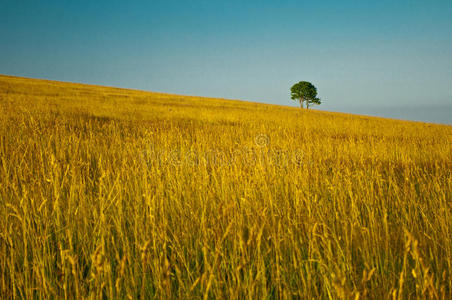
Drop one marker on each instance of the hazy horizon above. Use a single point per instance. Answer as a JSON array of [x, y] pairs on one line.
[[375, 58]]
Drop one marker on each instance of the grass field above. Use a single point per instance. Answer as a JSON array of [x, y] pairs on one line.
[[116, 193]]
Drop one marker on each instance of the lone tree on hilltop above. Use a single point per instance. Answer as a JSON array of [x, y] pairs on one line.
[[304, 91]]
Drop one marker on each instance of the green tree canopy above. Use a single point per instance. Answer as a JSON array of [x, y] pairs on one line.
[[304, 91]]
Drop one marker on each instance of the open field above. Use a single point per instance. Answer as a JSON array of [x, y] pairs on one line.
[[129, 194]]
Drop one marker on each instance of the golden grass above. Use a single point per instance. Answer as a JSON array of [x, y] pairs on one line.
[[117, 193]]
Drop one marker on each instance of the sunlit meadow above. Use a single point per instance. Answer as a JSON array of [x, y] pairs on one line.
[[116, 193]]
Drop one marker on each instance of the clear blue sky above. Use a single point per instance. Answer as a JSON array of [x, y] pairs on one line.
[[390, 58]]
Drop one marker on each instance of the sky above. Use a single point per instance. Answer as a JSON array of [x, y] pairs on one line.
[[385, 58]]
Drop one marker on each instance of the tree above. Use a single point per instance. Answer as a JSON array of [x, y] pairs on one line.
[[304, 91]]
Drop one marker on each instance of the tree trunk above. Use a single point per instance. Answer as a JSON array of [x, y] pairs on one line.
[[301, 103], [307, 104]]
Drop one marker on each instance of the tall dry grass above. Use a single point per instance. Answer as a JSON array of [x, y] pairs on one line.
[[126, 194]]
